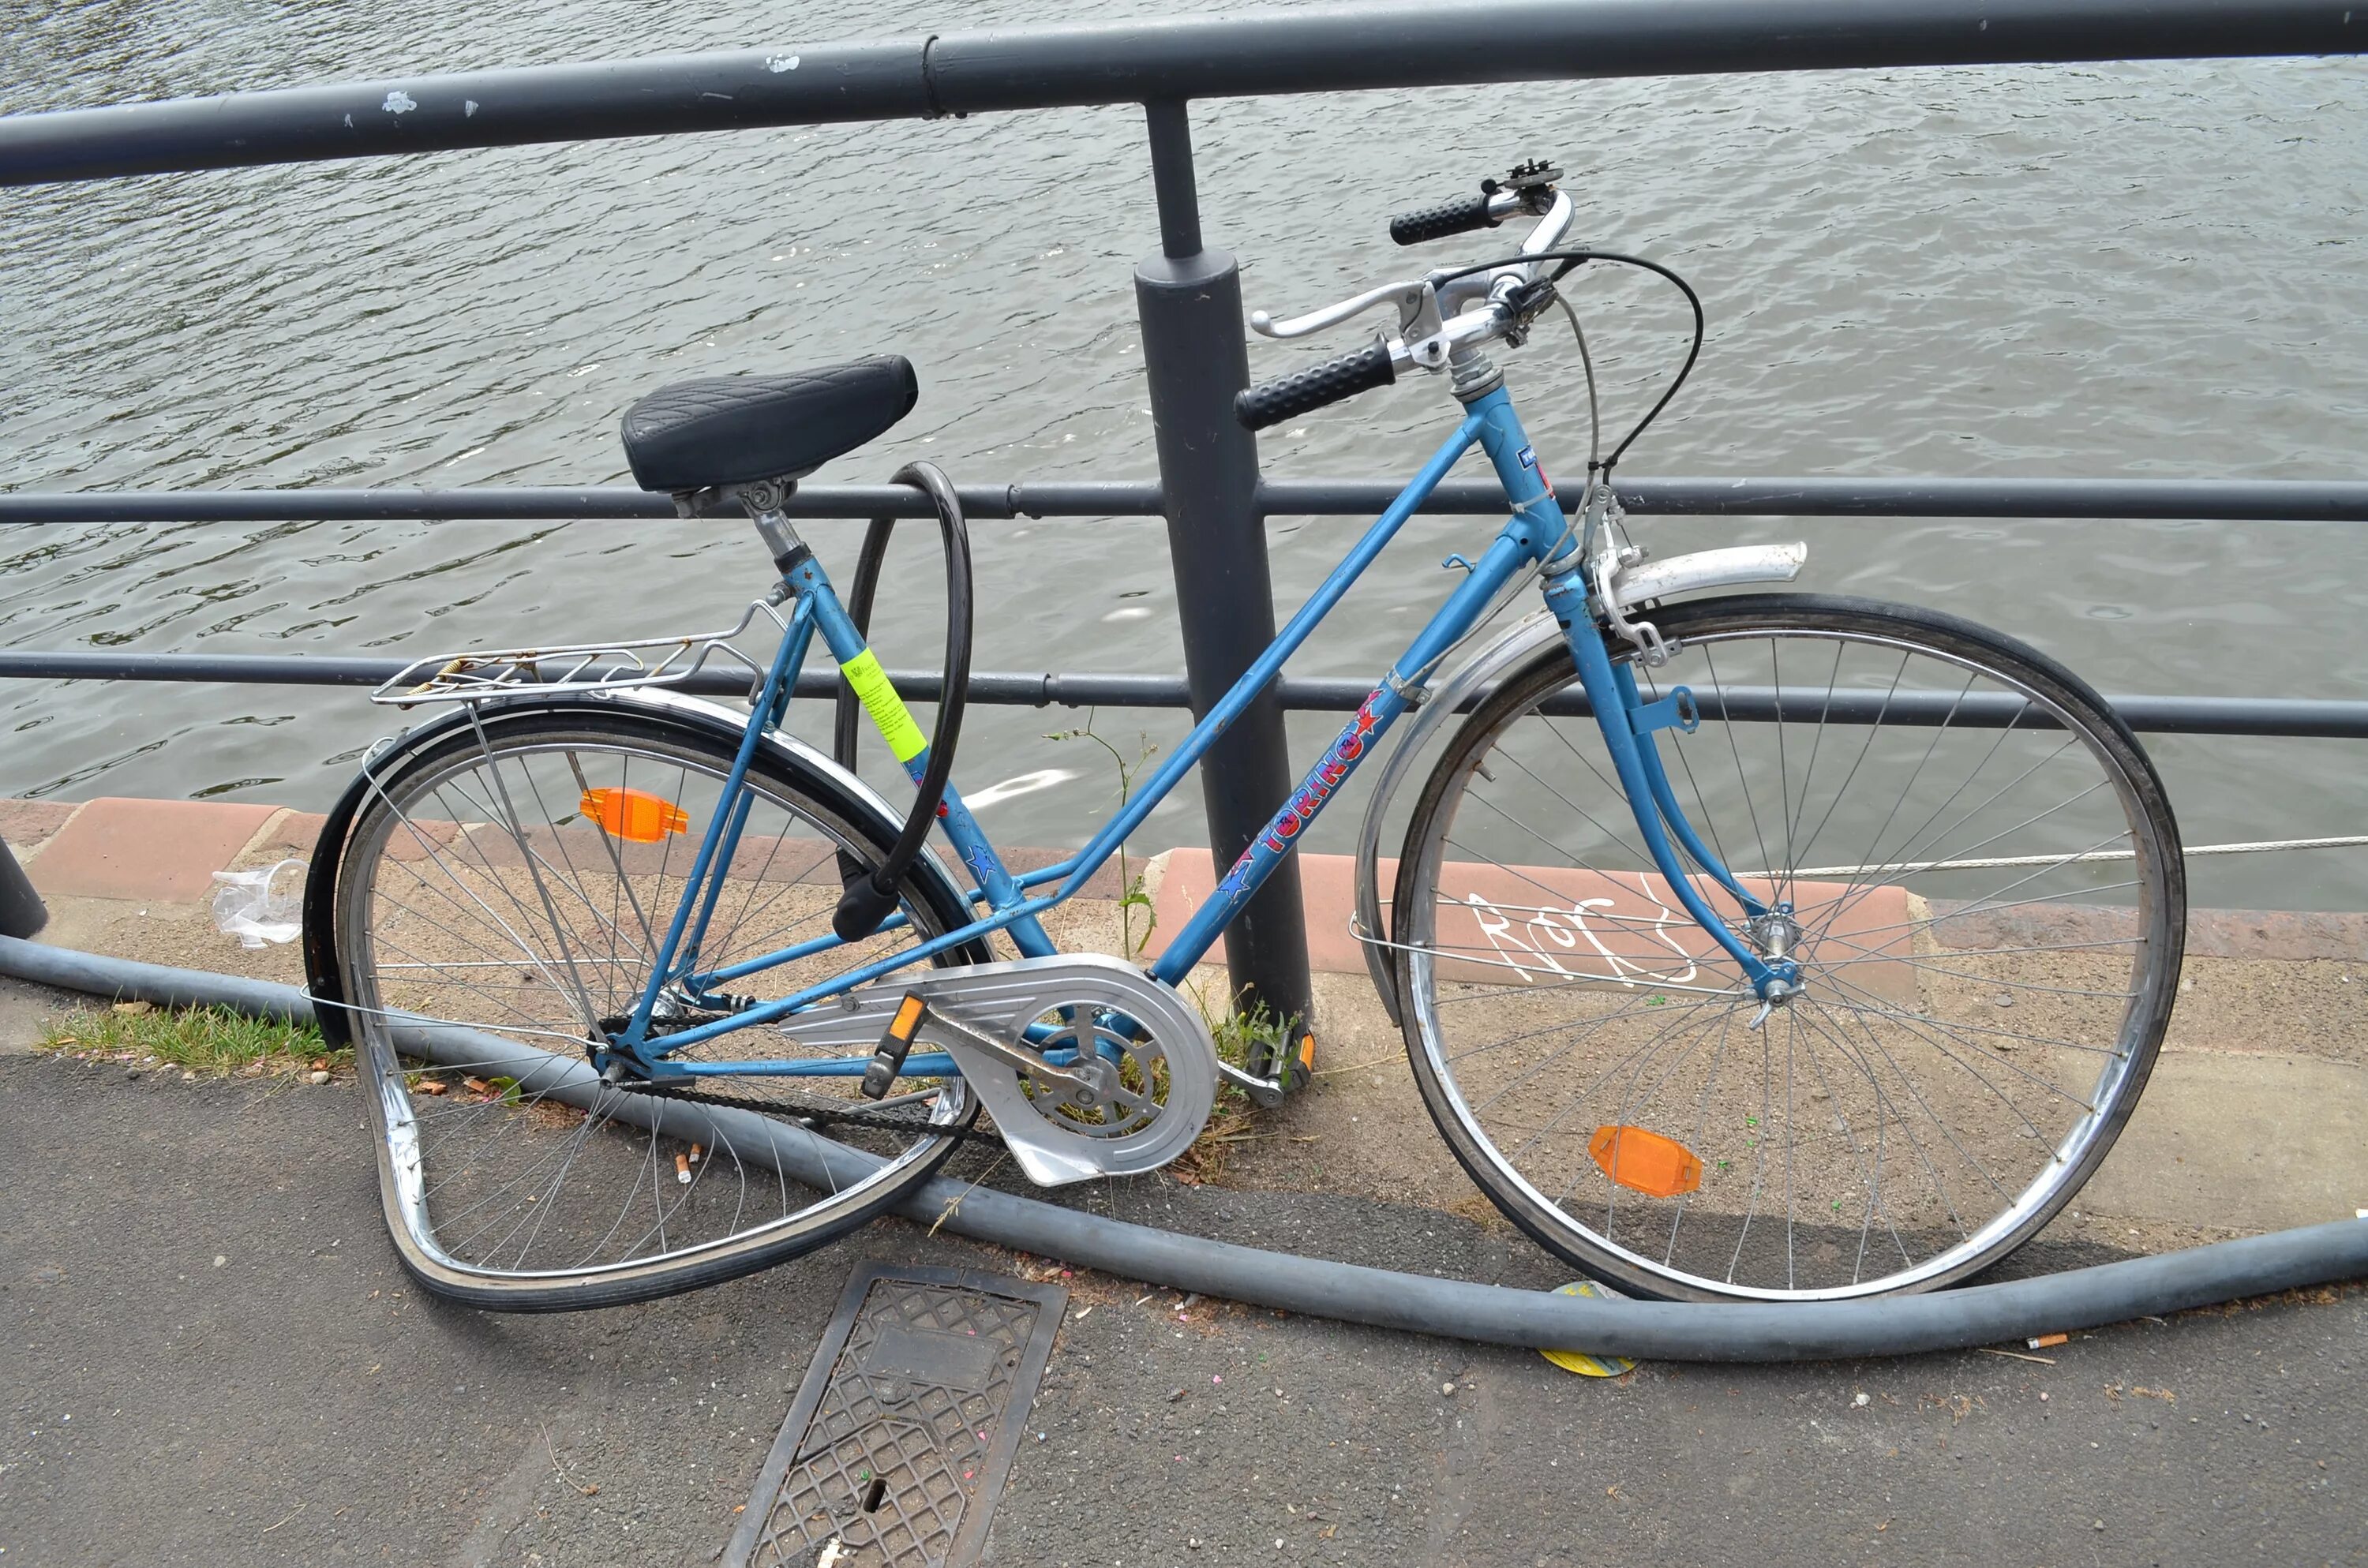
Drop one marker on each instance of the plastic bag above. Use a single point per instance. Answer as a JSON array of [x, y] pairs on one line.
[[265, 904]]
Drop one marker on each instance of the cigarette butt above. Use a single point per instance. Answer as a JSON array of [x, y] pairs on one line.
[[695, 1152], [2044, 1340], [475, 1085], [431, 1085], [682, 1169]]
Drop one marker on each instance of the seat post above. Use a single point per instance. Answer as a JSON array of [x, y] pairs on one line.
[[764, 500]]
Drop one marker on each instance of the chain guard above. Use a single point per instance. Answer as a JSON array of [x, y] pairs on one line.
[[1001, 1000]]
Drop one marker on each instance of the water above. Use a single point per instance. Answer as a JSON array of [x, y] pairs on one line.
[[2148, 270]]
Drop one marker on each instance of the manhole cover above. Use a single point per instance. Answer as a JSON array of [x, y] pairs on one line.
[[906, 1424]]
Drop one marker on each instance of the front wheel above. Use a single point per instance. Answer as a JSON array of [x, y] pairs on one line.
[[1967, 853]]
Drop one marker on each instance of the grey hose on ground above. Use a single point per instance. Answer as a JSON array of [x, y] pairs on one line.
[[1894, 1326]]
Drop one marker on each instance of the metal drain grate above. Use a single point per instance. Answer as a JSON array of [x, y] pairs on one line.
[[906, 1424]]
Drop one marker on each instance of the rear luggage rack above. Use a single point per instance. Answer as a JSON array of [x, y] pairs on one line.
[[587, 666]]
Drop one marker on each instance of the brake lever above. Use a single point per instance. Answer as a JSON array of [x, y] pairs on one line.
[[1418, 312]]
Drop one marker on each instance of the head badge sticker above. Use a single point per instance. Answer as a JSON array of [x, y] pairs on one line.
[[1529, 456]]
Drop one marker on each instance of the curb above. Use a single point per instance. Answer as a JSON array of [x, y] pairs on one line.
[[124, 848]]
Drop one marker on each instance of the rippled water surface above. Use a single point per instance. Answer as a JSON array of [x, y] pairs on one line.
[[2148, 270]]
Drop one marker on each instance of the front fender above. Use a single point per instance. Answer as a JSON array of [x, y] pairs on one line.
[[1472, 680], [1519, 642]]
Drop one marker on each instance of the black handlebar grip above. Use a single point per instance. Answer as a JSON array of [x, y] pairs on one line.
[[1459, 216], [1304, 391]]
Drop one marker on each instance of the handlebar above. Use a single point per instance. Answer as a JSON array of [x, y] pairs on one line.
[[1304, 391], [1439, 315], [1460, 215], [1529, 188]]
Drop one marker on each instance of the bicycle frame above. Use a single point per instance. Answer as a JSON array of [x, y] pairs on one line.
[[1535, 533]]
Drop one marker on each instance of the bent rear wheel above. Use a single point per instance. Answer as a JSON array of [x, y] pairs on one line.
[[486, 925], [1968, 856]]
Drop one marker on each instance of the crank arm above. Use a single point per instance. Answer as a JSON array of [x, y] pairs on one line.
[[1264, 1092], [1292, 1066], [980, 1007], [1011, 1056], [981, 1013]]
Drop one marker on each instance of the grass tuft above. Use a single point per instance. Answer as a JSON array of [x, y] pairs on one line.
[[210, 1041]]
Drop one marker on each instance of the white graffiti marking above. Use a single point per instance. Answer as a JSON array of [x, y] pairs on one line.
[[1534, 940]]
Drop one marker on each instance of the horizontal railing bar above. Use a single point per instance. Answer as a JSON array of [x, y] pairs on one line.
[[1310, 49], [2300, 717], [2291, 500], [522, 503], [276, 669], [2285, 500]]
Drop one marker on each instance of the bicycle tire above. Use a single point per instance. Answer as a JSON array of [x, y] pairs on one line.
[[1653, 1048], [525, 744]]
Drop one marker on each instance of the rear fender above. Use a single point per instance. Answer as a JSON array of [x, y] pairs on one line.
[[855, 800]]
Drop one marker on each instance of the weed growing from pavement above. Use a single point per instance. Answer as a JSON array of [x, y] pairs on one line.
[[1132, 893], [1236, 1033], [209, 1041]]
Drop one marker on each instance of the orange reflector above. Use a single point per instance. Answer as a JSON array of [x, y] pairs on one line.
[[1644, 1161], [634, 816]]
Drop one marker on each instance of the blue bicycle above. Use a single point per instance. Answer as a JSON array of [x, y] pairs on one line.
[[1761, 945]]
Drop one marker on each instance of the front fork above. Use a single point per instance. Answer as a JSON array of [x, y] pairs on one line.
[[1627, 722]]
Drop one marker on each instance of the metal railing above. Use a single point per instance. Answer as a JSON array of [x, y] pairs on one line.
[[1188, 296]]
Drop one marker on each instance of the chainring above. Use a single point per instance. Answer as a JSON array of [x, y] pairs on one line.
[[1155, 1064], [1130, 1069]]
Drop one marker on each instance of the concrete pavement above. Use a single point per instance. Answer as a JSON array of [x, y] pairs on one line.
[[213, 1358], [298, 1402]]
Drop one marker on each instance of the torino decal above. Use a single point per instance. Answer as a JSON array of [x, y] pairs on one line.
[[1337, 764]]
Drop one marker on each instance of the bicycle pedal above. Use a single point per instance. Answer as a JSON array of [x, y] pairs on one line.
[[1299, 1064], [895, 1044], [1292, 1067]]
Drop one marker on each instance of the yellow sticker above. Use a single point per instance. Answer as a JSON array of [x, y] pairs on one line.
[[1585, 1363], [887, 709]]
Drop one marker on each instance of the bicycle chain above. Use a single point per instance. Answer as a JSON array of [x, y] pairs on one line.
[[813, 1114]]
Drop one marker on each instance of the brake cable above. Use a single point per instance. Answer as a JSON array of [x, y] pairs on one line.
[[1571, 261]]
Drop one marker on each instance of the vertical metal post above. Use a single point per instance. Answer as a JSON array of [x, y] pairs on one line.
[[21, 914], [1188, 300]]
